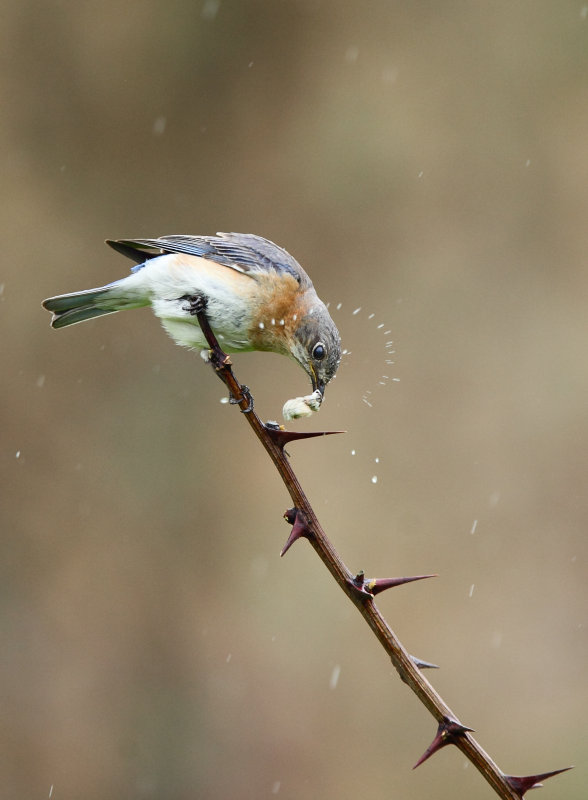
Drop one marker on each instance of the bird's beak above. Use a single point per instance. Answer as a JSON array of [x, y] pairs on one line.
[[317, 385]]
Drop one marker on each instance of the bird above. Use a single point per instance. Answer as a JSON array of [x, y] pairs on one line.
[[255, 295]]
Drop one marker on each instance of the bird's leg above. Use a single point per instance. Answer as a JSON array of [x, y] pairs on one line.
[[218, 358], [196, 307]]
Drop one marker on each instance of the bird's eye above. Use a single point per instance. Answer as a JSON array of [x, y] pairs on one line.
[[318, 351]]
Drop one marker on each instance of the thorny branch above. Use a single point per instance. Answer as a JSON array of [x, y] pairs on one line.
[[361, 591]]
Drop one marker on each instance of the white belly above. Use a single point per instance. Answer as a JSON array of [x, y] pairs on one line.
[[228, 295]]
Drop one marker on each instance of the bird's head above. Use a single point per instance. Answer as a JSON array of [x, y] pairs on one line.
[[316, 346]]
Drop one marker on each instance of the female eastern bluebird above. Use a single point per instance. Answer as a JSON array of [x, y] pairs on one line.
[[256, 297]]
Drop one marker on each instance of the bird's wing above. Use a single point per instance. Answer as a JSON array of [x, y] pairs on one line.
[[244, 252]]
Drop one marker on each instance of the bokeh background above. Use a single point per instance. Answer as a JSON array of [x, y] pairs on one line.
[[428, 164]]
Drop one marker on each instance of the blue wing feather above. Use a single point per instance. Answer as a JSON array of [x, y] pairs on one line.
[[242, 251]]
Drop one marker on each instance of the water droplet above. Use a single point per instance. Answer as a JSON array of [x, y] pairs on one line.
[[159, 126], [472, 589], [374, 478], [210, 9], [357, 310], [352, 54], [474, 526], [334, 679], [389, 75]]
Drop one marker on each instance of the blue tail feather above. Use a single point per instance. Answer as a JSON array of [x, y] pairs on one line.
[[78, 307], [74, 315]]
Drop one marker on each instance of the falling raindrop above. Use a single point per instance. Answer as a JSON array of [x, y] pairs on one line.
[[352, 54], [159, 126], [210, 9], [334, 679]]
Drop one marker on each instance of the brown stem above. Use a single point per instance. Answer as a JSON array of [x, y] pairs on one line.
[[450, 730]]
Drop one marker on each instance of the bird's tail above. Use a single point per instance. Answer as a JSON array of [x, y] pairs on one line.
[[69, 309]]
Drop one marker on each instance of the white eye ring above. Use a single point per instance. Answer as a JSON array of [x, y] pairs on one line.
[[319, 351]]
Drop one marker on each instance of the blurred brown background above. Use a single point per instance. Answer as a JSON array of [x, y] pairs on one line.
[[427, 162]]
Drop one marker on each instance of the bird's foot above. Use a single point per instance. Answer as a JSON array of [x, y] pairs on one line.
[[197, 303], [245, 395]]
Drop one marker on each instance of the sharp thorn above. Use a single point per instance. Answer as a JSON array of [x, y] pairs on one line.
[[447, 733], [522, 784], [420, 664], [282, 437], [377, 585], [299, 528]]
